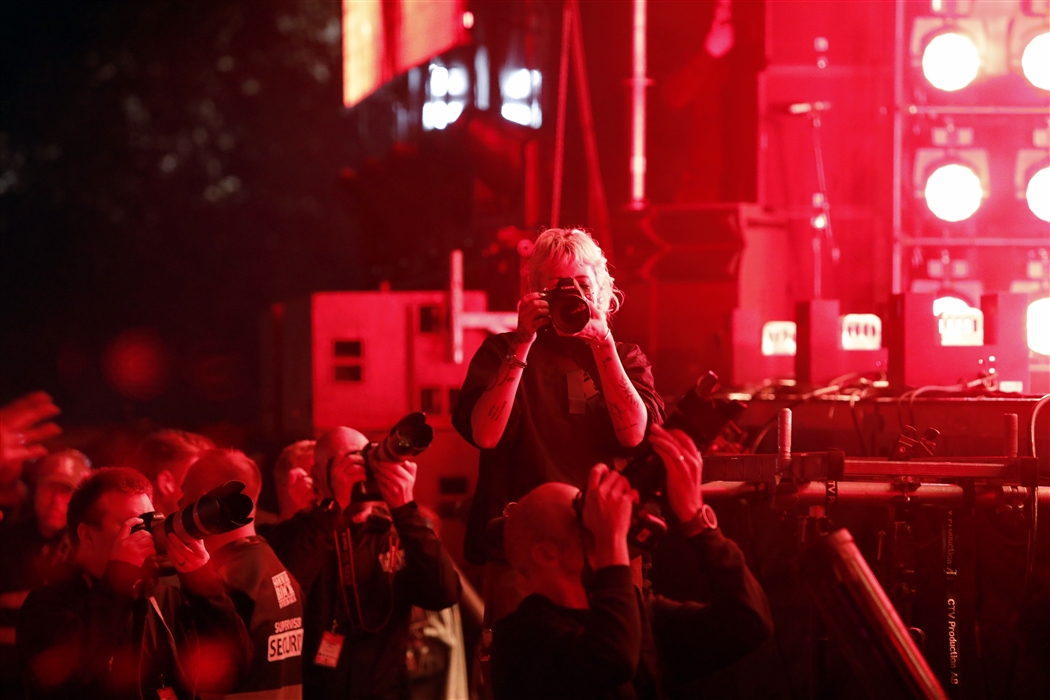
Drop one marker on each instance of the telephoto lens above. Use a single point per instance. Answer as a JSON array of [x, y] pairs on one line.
[[223, 509], [409, 437]]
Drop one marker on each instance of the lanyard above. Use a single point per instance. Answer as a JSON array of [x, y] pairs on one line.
[[345, 557]]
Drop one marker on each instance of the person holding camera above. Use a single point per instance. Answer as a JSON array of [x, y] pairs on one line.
[[107, 629], [364, 557], [267, 597], [585, 628], [548, 401]]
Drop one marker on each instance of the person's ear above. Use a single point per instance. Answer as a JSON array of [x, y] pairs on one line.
[[546, 555], [85, 534], [166, 483]]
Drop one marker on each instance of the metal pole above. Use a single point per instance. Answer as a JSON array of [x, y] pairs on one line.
[[455, 306], [898, 141], [638, 84]]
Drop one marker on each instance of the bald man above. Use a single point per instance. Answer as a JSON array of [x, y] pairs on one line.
[[584, 628], [364, 558], [266, 596]]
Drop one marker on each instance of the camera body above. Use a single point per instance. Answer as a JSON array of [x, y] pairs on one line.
[[703, 419], [569, 309], [409, 437]]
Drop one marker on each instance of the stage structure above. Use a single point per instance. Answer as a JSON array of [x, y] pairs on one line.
[[971, 165]]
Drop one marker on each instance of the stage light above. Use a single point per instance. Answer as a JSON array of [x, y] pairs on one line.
[[447, 90], [1039, 326], [1038, 194], [949, 305], [1035, 61], [438, 81], [950, 61], [520, 90], [517, 84], [517, 113], [953, 192], [458, 81]]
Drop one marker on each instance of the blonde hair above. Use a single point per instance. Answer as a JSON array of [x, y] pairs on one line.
[[577, 246]]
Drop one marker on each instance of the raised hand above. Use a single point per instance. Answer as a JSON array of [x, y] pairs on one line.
[[685, 469], [396, 481], [133, 547], [607, 506]]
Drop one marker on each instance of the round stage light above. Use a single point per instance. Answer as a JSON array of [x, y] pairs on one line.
[[1035, 61], [953, 192], [1039, 326], [950, 61], [1038, 194]]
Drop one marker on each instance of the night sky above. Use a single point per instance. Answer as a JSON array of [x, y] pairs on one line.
[[167, 166]]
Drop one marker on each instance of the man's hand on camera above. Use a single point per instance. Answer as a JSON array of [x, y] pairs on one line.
[[133, 547], [533, 314], [396, 481], [607, 515], [346, 471], [685, 469], [186, 557]]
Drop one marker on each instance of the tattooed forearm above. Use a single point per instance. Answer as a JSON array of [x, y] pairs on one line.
[[496, 411]]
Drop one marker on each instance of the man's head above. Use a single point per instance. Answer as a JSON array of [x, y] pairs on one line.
[[99, 508], [291, 475], [55, 478], [163, 457], [543, 538], [335, 450], [214, 468]]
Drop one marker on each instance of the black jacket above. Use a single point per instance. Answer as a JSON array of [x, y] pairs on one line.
[[629, 644], [86, 638], [393, 569], [270, 602]]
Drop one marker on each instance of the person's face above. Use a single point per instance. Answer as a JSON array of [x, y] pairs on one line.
[[338, 463], [116, 507], [583, 273], [50, 504]]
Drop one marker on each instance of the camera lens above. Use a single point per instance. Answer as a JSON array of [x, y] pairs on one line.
[[570, 313]]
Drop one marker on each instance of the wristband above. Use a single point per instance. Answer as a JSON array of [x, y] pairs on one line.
[[513, 361], [598, 343]]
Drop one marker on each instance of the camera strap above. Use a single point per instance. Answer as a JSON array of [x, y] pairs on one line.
[[344, 551]]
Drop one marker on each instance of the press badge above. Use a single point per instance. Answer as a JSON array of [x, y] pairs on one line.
[[328, 652]]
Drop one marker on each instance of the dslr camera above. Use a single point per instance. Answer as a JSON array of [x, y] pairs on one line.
[[409, 437], [223, 509], [703, 419], [570, 311]]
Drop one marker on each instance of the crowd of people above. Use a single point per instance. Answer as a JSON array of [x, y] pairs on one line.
[[104, 598]]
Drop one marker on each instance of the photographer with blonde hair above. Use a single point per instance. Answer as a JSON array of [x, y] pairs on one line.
[[550, 400]]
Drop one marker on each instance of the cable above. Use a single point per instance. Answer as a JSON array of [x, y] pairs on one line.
[[1031, 424]]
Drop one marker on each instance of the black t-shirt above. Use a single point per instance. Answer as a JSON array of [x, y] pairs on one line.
[[270, 602], [546, 439]]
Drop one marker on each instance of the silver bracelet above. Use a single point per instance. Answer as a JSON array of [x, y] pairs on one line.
[[513, 361]]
